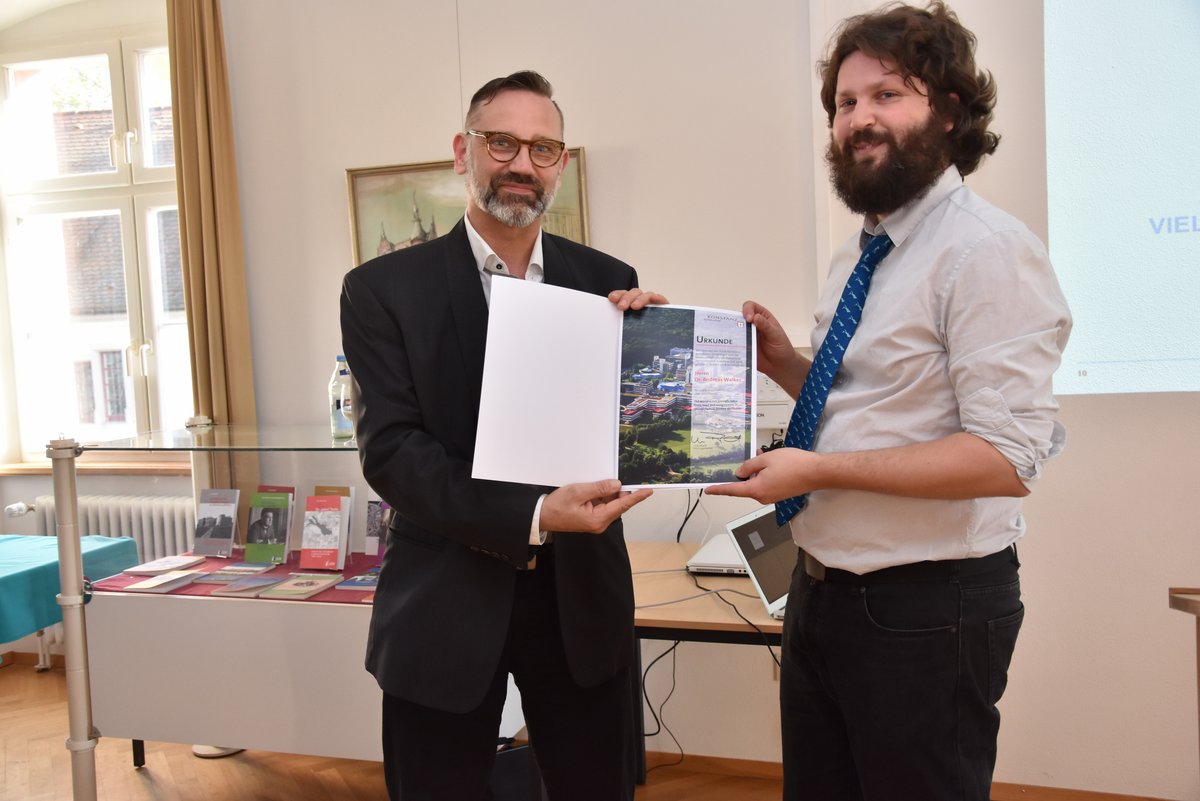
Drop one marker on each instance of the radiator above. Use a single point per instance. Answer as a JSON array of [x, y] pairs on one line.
[[160, 526]]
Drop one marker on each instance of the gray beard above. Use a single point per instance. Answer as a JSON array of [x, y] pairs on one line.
[[515, 212]]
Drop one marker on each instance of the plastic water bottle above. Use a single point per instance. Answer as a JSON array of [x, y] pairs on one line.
[[341, 411]]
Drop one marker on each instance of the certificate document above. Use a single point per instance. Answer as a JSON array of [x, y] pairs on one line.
[[575, 390]]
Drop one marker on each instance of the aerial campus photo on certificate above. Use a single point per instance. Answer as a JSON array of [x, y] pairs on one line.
[[686, 396]]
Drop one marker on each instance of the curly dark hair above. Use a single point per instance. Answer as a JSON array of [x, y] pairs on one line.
[[930, 45], [523, 81]]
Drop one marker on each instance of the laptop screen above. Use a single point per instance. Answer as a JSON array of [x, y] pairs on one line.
[[768, 550]]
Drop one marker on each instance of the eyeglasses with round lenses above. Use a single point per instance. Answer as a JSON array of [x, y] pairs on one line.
[[505, 147]]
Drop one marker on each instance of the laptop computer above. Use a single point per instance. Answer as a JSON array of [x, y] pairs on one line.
[[717, 556], [768, 553]]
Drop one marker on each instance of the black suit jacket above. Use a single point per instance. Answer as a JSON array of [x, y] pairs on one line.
[[414, 327]]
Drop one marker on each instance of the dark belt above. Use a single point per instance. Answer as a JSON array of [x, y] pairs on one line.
[[943, 570]]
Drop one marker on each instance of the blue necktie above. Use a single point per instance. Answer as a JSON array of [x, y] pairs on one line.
[[802, 428]]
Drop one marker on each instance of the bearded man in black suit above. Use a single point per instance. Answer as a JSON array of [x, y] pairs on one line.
[[484, 578]]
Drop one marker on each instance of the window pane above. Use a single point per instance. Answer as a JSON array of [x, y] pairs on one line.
[[94, 263], [114, 386], [154, 84], [70, 328], [60, 116], [171, 377], [85, 392], [164, 226]]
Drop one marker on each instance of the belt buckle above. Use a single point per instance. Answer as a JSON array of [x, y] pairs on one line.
[[813, 568]]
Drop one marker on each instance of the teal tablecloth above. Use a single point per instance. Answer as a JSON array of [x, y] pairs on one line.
[[29, 577]]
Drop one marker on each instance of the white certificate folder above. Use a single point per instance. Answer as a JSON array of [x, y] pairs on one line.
[[575, 390]]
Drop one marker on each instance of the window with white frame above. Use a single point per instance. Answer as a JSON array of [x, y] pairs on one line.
[[91, 244]]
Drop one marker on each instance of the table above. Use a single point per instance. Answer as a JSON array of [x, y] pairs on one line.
[[706, 619], [29, 580], [214, 450], [288, 666], [1188, 600], [288, 676]]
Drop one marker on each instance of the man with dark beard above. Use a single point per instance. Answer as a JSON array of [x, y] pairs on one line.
[[483, 578], [903, 491]]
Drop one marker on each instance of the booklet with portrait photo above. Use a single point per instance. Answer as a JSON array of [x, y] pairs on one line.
[[267, 534]]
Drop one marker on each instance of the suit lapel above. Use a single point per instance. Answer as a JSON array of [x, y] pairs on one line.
[[557, 271], [468, 307]]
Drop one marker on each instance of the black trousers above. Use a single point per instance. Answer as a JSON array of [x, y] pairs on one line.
[[890, 680], [581, 736]]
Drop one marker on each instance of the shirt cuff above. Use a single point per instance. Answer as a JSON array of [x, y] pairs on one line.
[[536, 535]]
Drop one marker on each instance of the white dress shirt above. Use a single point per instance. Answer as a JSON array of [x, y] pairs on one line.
[[963, 327], [489, 264]]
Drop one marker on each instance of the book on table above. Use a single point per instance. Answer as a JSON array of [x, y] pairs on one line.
[[164, 564], [322, 535], [289, 526], [347, 492], [267, 533], [216, 522], [367, 581], [249, 586], [662, 397], [165, 582], [299, 586], [235, 571], [323, 538]]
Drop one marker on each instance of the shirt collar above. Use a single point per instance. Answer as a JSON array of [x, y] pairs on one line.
[[489, 263], [901, 223]]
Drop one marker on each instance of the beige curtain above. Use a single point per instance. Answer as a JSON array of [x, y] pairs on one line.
[[210, 225]]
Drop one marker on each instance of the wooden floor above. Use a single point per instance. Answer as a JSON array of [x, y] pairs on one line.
[[36, 766]]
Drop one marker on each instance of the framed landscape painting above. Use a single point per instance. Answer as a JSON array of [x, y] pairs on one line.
[[403, 205]]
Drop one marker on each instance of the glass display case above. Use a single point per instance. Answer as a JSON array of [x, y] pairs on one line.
[[221, 455]]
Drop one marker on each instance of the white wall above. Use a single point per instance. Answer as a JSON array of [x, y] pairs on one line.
[[703, 142], [684, 190]]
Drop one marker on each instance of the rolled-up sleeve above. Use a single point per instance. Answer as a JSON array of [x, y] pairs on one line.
[[1005, 324]]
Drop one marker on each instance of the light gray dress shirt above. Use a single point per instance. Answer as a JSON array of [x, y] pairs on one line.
[[962, 330]]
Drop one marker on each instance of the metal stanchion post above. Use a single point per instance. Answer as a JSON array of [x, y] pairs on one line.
[[81, 741]]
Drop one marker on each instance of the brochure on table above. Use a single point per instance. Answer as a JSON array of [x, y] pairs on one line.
[[575, 390]]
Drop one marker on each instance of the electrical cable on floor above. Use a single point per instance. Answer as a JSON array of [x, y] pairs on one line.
[[659, 722], [658, 718]]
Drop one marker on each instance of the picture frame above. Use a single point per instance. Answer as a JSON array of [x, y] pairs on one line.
[[401, 205]]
